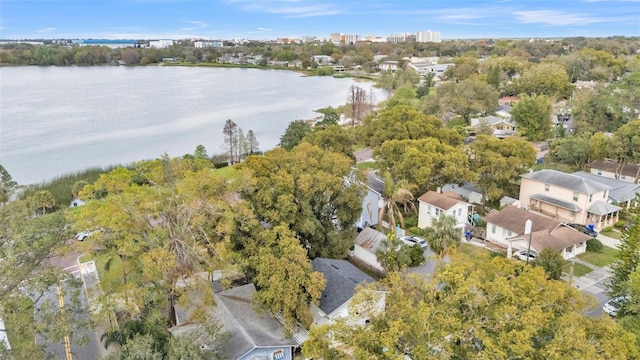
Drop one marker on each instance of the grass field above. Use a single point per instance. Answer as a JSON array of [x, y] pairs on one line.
[[474, 251], [603, 258], [578, 269]]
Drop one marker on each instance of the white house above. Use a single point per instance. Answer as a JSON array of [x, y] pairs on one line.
[[432, 204], [366, 244], [507, 229], [342, 281], [371, 202]]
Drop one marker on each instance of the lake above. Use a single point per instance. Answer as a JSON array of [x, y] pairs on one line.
[[60, 120]]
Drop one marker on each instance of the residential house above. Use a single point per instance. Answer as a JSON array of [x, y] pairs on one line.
[[471, 193], [390, 65], [322, 60], [507, 229], [371, 203], [432, 204], [508, 100], [567, 198], [4, 339], [366, 244], [621, 193], [342, 280], [437, 70], [502, 127], [611, 168], [252, 335]]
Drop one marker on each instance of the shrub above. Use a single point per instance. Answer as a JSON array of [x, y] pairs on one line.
[[619, 224], [594, 245], [552, 262], [221, 164], [417, 255]]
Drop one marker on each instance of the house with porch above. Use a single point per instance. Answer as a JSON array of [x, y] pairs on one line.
[[567, 198], [613, 169], [506, 228], [432, 204], [343, 280], [622, 193]]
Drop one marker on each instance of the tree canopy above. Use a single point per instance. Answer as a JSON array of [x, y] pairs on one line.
[[310, 190], [489, 309]]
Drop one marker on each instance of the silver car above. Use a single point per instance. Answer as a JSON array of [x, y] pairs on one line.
[[612, 306]]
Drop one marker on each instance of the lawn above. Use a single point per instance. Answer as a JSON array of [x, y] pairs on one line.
[[372, 165], [474, 251], [578, 269], [110, 276], [612, 234], [602, 258]]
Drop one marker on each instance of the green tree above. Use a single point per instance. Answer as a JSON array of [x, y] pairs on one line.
[[294, 133], [311, 190], [27, 244], [230, 132], [552, 262], [425, 163], [627, 260], [443, 236], [43, 200], [498, 163], [626, 143], [473, 310], [466, 98], [252, 142], [533, 116], [330, 116], [285, 278], [546, 79], [393, 254], [396, 200], [404, 122], [160, 217], [333, 138], [573, 149]]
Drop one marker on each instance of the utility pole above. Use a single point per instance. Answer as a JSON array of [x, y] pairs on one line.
[[527, 230]]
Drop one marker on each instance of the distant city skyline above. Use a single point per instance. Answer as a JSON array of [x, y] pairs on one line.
[[271, 19]]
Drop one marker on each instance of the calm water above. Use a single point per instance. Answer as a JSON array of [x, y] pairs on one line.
[[58, 120]]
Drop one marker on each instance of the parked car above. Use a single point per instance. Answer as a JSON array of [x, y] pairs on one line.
[[412, 240], [612, 306], [522, 255], [83, 235], [584, 229]]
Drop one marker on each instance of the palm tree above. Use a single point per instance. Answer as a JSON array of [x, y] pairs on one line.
[[43, 200], [443, 236], [396, 200]]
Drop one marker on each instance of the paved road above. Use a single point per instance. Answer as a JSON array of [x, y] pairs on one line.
[[81, 346]]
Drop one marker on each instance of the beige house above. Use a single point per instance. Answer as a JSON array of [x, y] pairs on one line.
[[432, 204], [567, 198], [507, 226], [611, 168]]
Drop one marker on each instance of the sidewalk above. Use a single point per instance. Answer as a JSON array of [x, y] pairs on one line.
[[608, 241]]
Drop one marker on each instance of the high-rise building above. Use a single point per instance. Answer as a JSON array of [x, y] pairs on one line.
[[428, 36], [351, 39], [335, 38]]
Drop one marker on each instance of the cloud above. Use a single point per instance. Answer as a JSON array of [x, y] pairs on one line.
[[290, 8], [551, 17], [45, 30], [265, 29], [199, 25]]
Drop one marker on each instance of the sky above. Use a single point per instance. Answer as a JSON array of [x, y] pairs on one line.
[[271, 19]]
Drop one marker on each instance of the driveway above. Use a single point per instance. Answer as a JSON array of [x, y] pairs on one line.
[[428, 268]]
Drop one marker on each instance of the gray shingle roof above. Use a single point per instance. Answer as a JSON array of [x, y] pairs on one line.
[[342, 278], [247, 329], [514, 219], [621, 191], [602, 208], [551, 200], [567, 181]]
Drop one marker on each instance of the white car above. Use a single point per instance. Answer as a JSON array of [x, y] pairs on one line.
[[612, 306], [412, 240], [82, 235], [522, 255]]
